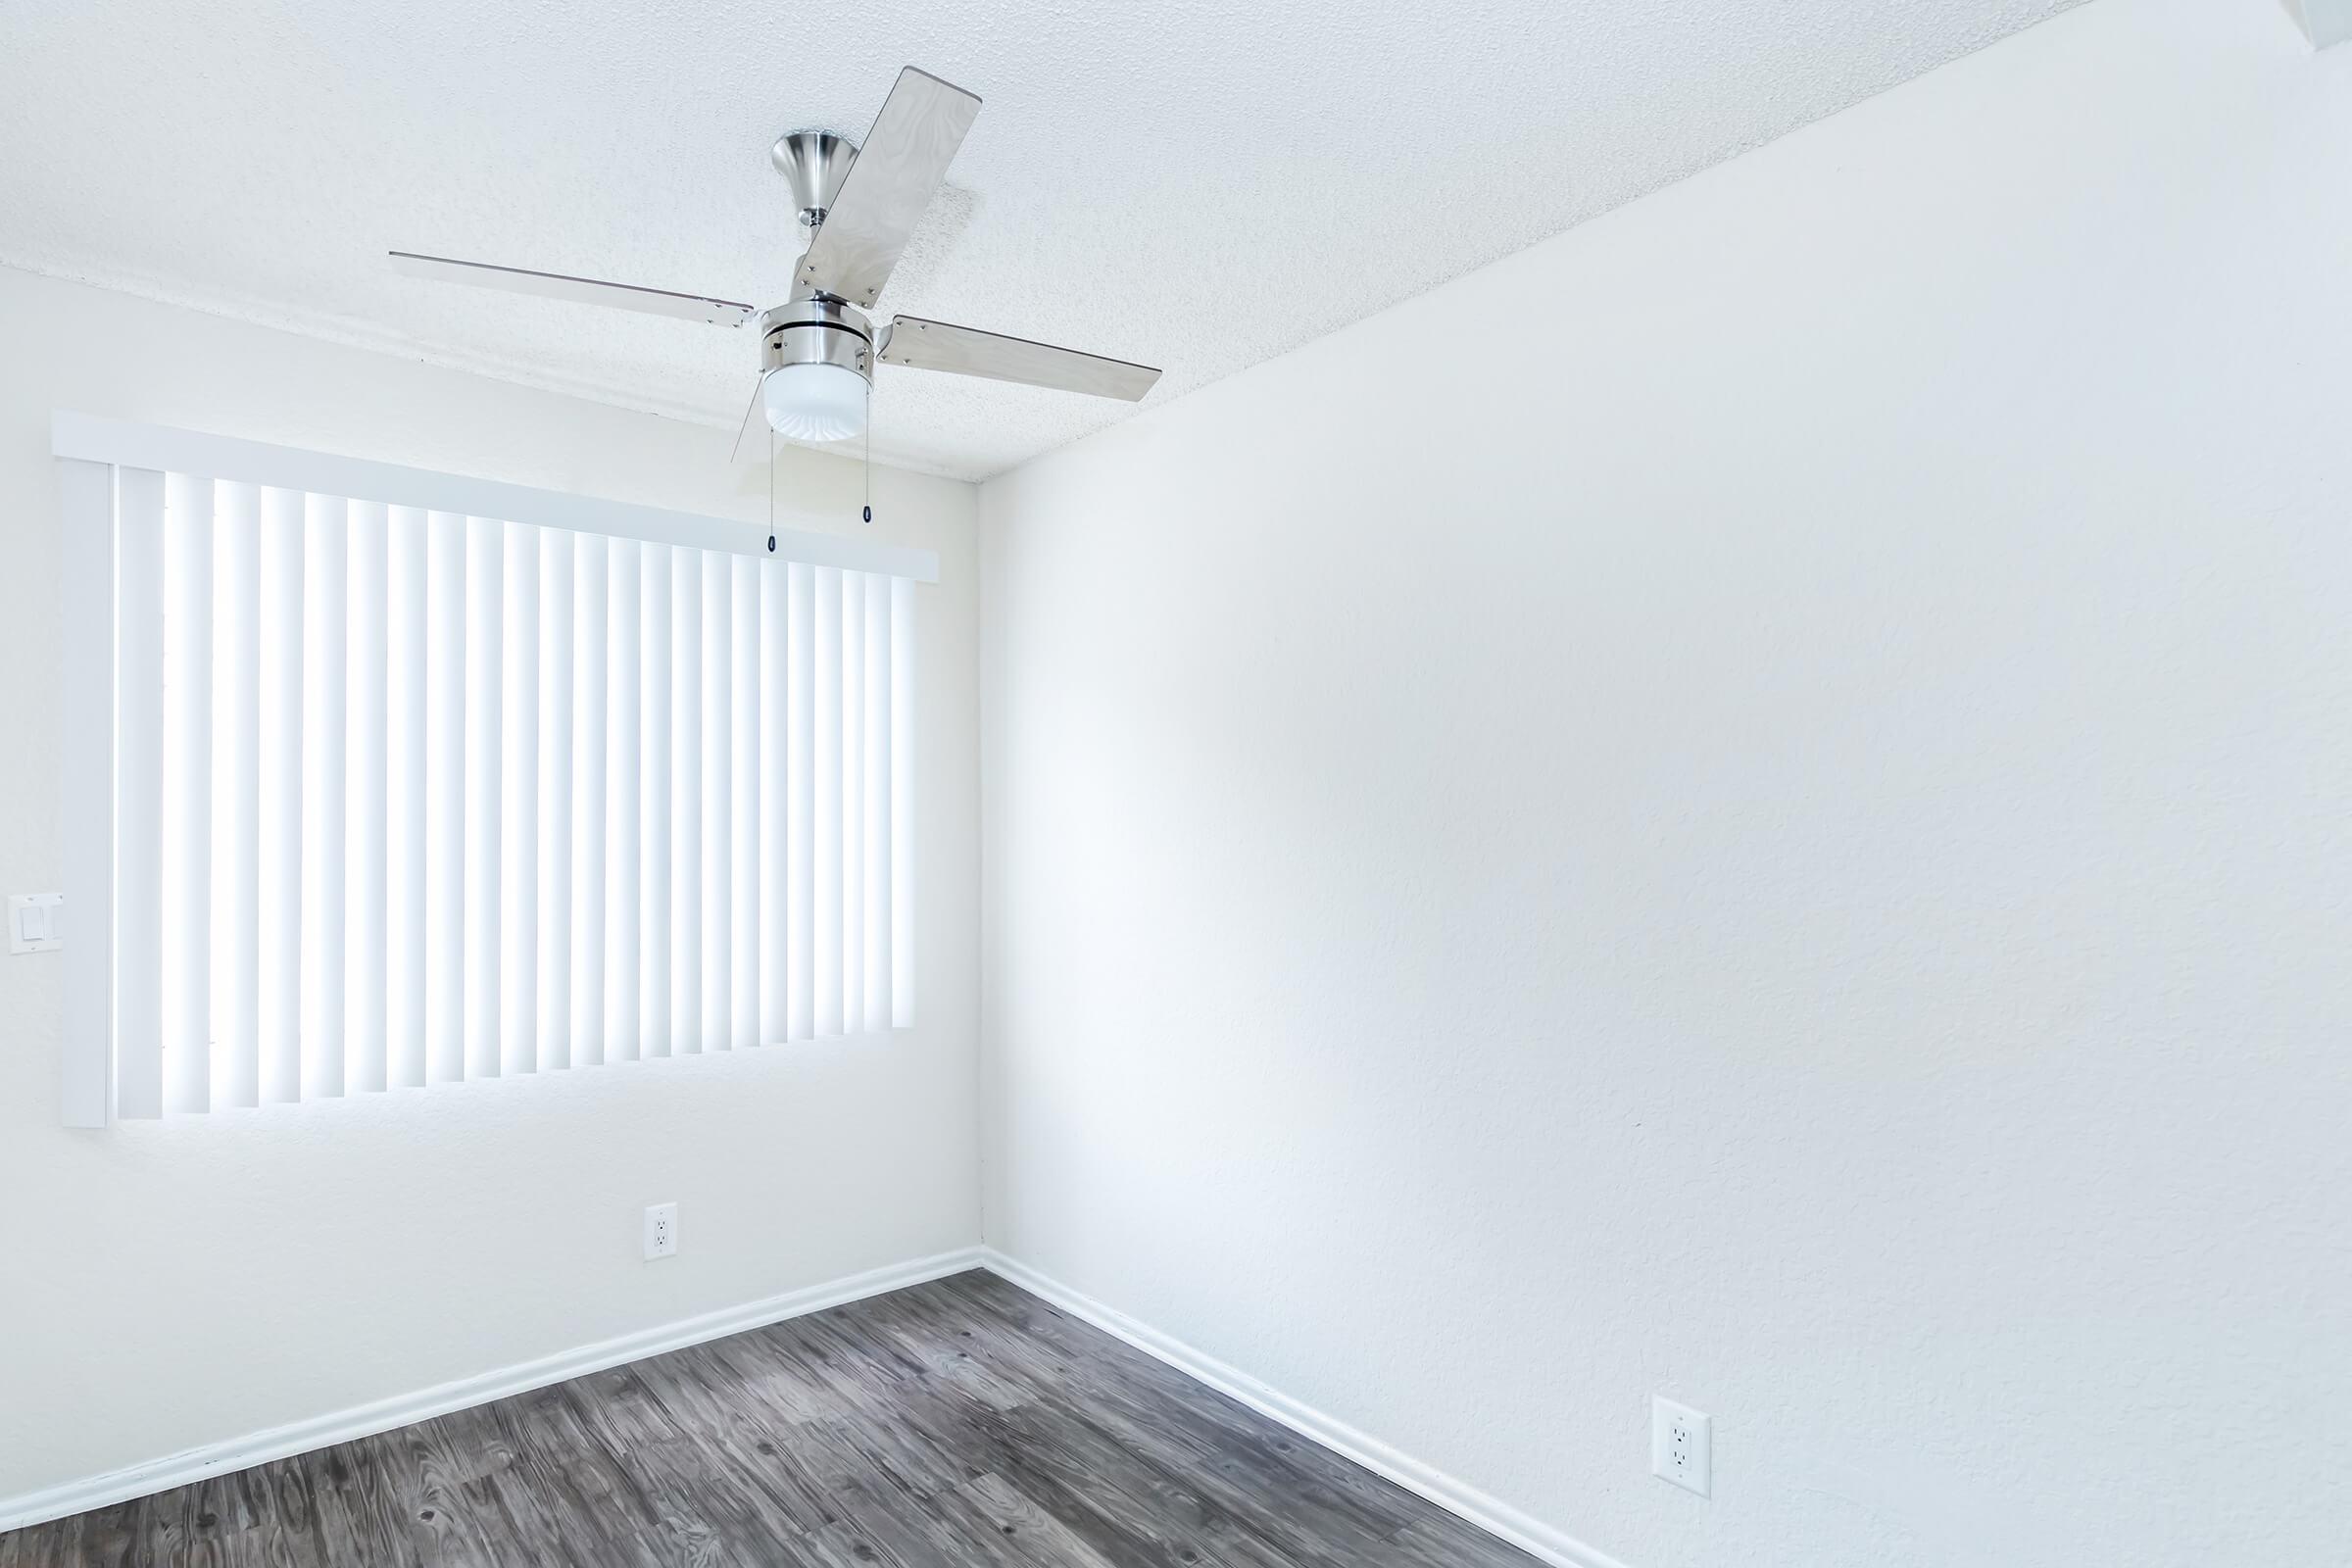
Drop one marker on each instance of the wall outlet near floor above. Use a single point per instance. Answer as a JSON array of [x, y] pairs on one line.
[[660, 1230], [1682, 1446]]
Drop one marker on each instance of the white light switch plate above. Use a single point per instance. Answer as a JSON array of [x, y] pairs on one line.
[[36, 922], [1682, 1446]]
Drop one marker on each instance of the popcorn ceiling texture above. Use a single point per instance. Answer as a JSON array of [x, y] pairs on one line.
[[1199, 184]]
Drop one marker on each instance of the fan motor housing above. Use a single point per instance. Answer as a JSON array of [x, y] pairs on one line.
[[816, 331]]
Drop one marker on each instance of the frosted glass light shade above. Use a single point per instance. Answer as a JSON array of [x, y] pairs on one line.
[[814, 402]]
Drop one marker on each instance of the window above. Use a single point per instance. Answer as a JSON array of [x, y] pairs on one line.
[[382, 780]]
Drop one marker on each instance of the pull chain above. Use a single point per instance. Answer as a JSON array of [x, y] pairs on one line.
[[772, 489], [870, 451]]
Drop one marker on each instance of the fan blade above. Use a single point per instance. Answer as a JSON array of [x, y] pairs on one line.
[[965, 351], [749, 409], [584, 290], [898, 171]]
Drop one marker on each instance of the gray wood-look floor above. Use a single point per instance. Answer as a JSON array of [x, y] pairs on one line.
[[953, 1423]]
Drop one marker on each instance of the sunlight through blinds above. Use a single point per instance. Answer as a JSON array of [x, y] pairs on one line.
[[404, 797]]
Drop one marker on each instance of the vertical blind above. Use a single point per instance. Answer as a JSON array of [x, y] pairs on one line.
[[406, 796]]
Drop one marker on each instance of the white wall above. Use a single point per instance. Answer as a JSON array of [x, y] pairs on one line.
[[163, 1285], [1752, 802]]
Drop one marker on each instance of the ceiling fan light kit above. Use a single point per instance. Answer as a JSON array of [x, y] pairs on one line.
[[814, 402], [816, 366], [859, 204]]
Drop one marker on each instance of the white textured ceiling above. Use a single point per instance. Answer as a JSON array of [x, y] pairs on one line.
[[1199, 184]]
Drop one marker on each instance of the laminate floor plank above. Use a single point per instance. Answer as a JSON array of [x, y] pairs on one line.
[[1229, 1454], [740, 1445], [1009, 1530], [1451, 1542], [958, 1424], [1333, 1509], [1164, 1513]]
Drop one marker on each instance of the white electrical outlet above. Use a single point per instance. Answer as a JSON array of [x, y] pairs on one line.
[[1682, 1446], [660, 1230]]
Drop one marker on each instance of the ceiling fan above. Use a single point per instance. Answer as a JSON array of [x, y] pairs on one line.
[[859, 204]]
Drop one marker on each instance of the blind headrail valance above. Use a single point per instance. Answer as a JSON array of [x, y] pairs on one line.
[[127, 443]]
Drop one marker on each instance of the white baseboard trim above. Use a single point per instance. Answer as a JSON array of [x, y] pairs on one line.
[[382, 1415], [1490, 1514]]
